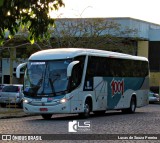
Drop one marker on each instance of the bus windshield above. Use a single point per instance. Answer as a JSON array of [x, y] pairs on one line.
[[46, 78]]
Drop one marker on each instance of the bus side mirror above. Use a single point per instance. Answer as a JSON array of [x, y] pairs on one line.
[[70, 67], [19, 68]]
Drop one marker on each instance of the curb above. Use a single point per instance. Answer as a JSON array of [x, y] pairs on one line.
[[14, 114]]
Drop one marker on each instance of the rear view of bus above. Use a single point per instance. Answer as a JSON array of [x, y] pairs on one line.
[[72, 80]]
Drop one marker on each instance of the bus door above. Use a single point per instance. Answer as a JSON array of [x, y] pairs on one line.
[[100, 89]]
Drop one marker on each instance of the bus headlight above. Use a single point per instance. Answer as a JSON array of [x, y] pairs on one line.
[[64, 100], [25, 101]]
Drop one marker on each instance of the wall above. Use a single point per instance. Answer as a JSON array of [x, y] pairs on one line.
[[6, 69], [142, 49]]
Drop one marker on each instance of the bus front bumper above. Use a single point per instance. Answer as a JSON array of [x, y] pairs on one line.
[[47, 109]]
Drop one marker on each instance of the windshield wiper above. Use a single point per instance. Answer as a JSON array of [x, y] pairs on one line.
[[52, 87], [52, 82]]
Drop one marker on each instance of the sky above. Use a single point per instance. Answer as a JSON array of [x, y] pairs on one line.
[[147, 10]]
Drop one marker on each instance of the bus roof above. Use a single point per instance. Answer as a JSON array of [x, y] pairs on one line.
[[64, 53]]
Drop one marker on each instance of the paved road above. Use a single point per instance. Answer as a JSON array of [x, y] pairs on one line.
[[146, 120]]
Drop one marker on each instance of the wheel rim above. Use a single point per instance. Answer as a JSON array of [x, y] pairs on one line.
[[86, 109]]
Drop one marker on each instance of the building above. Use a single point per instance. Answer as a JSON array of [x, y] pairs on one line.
[[146, 40], [148, 45], [5, 73]]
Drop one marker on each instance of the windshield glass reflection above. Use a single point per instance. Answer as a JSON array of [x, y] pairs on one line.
[[46, 78]]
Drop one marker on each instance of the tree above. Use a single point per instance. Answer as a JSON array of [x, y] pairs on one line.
[[98, 33], [31, 14]]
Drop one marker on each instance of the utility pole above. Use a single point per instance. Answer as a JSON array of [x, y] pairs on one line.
[[12, 58], [159, 86]]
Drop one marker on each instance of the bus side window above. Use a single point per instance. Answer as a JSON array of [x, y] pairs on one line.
[[76, 76], [77, 72]]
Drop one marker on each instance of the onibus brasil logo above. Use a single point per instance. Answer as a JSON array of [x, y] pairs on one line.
[[117, 86]]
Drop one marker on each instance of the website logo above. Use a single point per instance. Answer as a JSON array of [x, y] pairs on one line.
[[81, 126], [6, 137]]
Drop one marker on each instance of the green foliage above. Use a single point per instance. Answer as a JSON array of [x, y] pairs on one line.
[[1, 2], [33, 14]]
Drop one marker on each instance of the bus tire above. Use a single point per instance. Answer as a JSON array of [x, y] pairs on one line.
[[132, 107], [46, 116], [87, 109]]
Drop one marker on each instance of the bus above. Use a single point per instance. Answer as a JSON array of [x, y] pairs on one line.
[[81, 81]]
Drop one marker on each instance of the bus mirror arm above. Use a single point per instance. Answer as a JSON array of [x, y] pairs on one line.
[[70, 67], [19, 68]]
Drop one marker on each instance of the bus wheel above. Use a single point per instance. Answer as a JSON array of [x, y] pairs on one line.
[[132, 107], [46, 116], [87, 110]]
